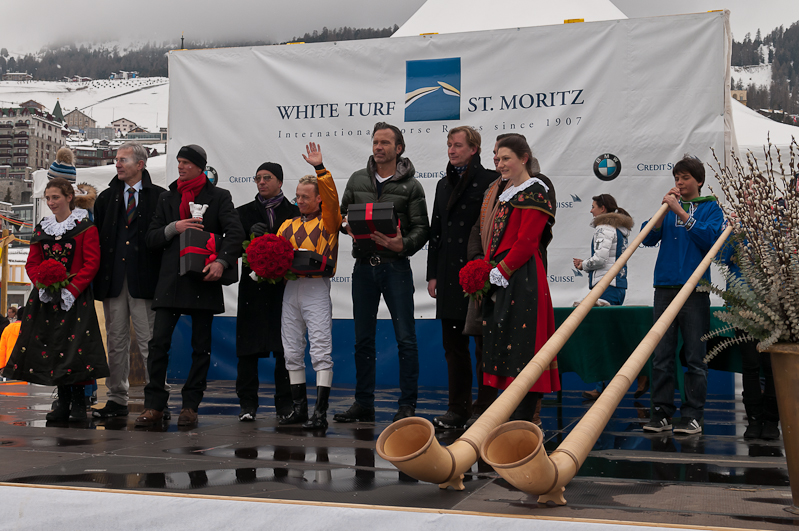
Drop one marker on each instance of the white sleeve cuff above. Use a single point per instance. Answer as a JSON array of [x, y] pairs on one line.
[[44, 295], [496, 278], [67, 299]]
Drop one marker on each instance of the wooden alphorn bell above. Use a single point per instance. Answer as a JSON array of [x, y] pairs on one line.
[[410, 443], [515, 449]]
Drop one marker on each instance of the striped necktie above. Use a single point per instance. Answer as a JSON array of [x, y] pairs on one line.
[[131, 209]]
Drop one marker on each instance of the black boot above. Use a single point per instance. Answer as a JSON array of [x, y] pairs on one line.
[[78, 410], [299, 411], [319, 418], [526, 409], [61, 410], [754, 429]]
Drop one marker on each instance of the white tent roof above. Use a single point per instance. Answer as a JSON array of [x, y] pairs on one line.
[[99, 177], [753, 130], [455, 16]]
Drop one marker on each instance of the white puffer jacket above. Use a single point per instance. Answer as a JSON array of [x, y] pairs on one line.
[[606, 247]]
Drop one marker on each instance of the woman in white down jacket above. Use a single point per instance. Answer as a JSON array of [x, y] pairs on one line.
[[612, 227]]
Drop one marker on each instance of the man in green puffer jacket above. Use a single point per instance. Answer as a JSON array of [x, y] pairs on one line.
[[388, 177]]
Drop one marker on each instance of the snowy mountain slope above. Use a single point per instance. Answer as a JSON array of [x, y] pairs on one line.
[[759, 75], [142, 100]]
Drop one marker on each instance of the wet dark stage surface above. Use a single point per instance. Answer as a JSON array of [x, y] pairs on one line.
[[714, 478]]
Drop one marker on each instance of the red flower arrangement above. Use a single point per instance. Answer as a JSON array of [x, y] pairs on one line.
[[51, 275], [474, 278], [269, 256]]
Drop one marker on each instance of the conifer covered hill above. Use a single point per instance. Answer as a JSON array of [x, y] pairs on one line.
[[149, 60], [780, 49]]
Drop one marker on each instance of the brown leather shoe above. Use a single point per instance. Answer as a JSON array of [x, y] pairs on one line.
[[149, 417], [188, 417]]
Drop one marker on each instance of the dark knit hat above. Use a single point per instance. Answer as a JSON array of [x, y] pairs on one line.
[[194, 154], [273, 167]]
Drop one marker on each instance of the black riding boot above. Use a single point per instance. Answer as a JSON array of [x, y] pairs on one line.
[[526, 408], [61, 411], [299, 411], [319, 418], [78, 410]]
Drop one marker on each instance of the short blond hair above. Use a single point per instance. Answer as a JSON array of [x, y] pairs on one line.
[[310, 179]]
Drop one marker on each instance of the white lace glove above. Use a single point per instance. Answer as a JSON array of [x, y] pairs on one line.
[[45, 295], [67, 299], [496, 278]]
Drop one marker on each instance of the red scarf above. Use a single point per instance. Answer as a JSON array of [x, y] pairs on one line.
[[188, 191]]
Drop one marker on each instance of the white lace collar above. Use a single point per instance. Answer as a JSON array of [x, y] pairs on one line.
[[54, 228], [509, 192]]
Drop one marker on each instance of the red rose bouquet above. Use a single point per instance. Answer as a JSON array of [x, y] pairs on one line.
[[269, 256], [51, 275], [474, 279]]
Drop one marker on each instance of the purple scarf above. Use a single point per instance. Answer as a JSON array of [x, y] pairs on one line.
[[269, 205]]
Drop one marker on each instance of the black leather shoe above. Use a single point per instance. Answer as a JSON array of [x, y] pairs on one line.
[[450, 421], [405, 412], [110, 410], [356, 413], [770, 431], [754, 429]]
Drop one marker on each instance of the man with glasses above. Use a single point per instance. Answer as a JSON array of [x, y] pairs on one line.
[[128, 271], [259, 308], [388, 177]]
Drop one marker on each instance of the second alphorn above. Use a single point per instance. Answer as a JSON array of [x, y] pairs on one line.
[[515, 450]]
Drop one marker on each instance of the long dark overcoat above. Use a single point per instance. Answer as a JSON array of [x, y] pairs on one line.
[[259, 308], [455, 211], [108, 210], [181, 292]]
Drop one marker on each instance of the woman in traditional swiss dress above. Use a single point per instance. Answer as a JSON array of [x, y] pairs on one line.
[[59, 341], [517, 313]]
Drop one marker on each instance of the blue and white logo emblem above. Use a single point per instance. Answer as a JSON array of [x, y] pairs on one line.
[[607, 167], [212, 174], [433, 90]]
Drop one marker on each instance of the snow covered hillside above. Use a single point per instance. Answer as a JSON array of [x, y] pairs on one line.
[[142, 100], [760, 75]]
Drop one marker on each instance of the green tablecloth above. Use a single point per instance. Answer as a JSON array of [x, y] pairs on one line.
[[608, 335]]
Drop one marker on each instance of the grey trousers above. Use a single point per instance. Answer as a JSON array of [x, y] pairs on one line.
[[119, 313]]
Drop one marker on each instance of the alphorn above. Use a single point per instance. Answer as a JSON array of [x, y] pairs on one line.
[[515, 450], [410, 443]]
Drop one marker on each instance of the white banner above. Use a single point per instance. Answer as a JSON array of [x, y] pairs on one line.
[[607, 107]]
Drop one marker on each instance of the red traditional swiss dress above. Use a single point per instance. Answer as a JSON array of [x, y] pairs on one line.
[[518, 319], [59, 342]]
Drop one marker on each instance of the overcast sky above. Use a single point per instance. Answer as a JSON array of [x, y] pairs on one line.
[[30, 24]]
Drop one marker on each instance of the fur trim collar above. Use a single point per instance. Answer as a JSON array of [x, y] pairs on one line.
[[85, 196], [54, 228], [617, 220]]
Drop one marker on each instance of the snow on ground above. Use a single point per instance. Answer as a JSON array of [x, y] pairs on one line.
[[759, 75], [143, 100]]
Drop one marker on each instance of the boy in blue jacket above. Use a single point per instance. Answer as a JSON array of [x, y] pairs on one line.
[[686, 233]]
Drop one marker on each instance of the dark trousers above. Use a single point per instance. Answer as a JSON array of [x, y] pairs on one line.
[[247, 383], [759, 403], [485, 393], [693, 320], [155, 394], [394, 281], [459, 366]]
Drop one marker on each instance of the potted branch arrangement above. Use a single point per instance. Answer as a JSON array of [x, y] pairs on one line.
[[762, 299]]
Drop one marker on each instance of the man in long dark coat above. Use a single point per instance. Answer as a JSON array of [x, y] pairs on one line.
[[128, 271], [259, 309], [177, 295], [459, 196]]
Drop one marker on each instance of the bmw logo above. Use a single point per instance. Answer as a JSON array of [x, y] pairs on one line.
[[607, 167], [213, 176]]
